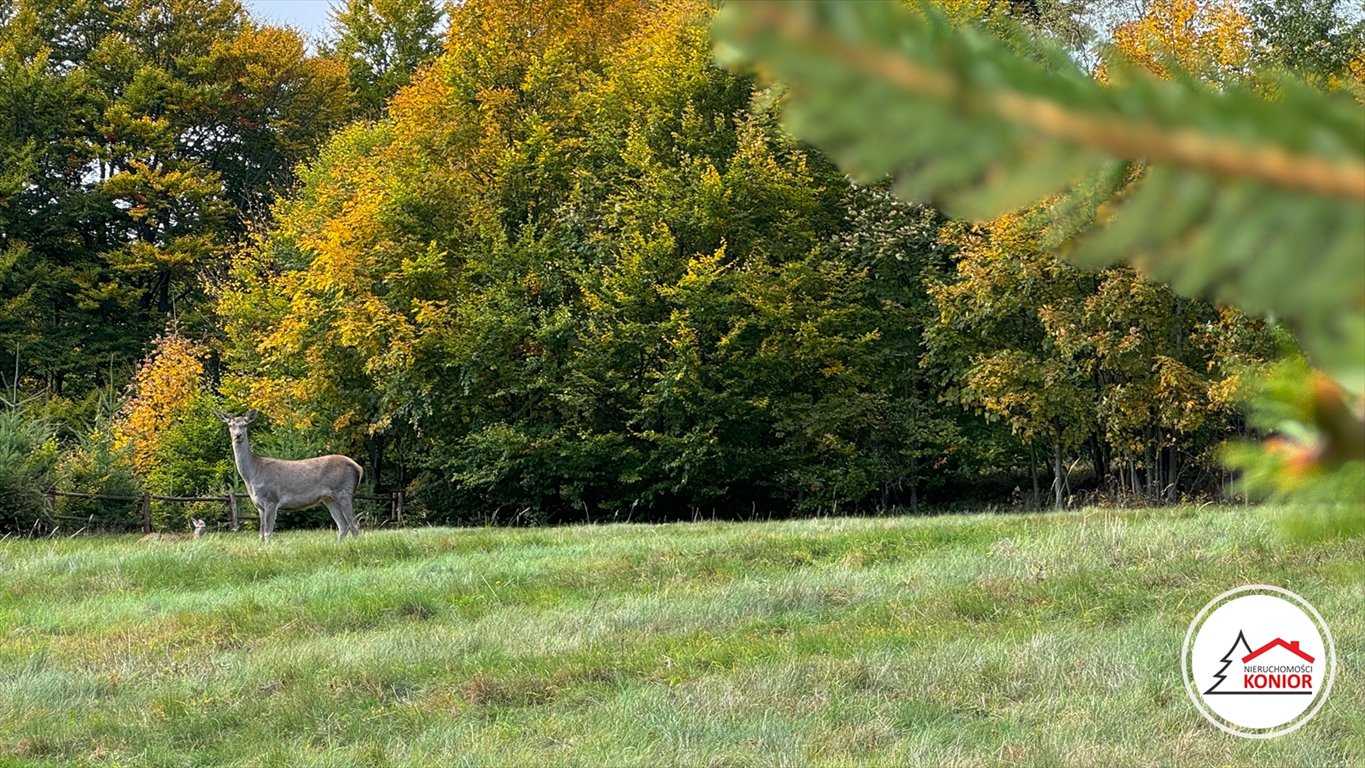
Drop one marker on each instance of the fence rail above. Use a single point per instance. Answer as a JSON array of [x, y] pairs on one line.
[[235, 517]]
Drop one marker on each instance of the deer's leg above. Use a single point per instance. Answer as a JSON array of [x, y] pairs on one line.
[[334, 506], [268, 520], [348, 514]]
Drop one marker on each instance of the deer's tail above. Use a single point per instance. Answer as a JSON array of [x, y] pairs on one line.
[[359, 470]]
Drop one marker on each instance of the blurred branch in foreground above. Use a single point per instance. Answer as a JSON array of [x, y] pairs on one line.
[[1221, 191]]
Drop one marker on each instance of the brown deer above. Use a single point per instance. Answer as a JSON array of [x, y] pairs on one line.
[[275, 484]]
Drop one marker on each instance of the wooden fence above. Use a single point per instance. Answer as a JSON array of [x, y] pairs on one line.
[[230, 500]]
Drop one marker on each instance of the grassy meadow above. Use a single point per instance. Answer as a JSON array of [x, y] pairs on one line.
[[1048, 639]]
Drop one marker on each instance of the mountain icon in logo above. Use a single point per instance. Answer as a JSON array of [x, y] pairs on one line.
[[1290, 676]]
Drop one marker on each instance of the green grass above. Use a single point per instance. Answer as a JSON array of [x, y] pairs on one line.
[[975, 640]]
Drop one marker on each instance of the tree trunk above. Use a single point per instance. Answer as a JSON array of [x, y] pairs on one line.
[[1175, 475], [1033, 470], [1057, 472], [1097, 460], [914, 484], [1156, 468], [1153, 474], [163, 293], [376, 461]]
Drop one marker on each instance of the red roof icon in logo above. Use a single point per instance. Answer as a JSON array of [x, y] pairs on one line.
[[1277, 642], [1241, 644]]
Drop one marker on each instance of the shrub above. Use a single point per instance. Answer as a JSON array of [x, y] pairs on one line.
[[98, 463], [28, 452]]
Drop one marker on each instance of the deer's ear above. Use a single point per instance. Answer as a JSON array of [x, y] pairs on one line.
[[251, 415], [221, 416]]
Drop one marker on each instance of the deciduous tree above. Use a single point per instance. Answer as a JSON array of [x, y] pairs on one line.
[[140, 138], [383, 42]]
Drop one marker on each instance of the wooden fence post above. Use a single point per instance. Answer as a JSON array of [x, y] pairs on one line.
[[232, 510], [398, 507], [146, 508]]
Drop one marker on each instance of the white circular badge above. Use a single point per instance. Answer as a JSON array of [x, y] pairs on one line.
[[1258, 661]]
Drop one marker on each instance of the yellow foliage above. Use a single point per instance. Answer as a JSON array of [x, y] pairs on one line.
[[962, 11], [1355, 75], [1207, 39], [166, 385]]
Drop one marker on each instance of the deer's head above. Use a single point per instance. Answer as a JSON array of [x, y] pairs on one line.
[[237, 425]]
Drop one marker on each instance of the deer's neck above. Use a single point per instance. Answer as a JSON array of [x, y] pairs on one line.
[[245, 459]]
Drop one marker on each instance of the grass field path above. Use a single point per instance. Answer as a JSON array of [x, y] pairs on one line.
[[951, 641]]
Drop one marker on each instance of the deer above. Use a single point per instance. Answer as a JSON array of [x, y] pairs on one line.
[[199, 526], [275, 484]]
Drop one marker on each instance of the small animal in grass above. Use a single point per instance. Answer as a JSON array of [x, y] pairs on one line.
[[275, 484], [199, 526]]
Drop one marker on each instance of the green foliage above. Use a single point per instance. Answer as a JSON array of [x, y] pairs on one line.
[[137, 140], [581, 273], [1183, 179], [193, 458], [1139, 375], [1322, 40], [28, 453], [570, 269], [1315, 464], [97, 464], [383, 42], [993, 338], [637, 297], [954, 113]]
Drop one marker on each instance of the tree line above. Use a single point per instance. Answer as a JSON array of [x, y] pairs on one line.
[[562, 266]]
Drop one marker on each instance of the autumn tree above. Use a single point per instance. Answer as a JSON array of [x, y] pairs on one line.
[[1118, 159], [996, 338], [581, 272], [166, 428], [383, 42], [1211, 40], [139, 139], [1318, 39], [166, 385]]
